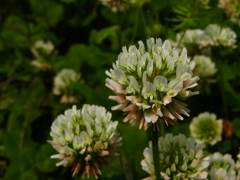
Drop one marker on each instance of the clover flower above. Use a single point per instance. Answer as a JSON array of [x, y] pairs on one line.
[[150, 83], [43, 52], [206, 128], [117, 5], [191, 37], [232, 9], [237, 167], [85, 139], [219, 36], [62, 82], [180, 158], [221, 167], [205, 67]]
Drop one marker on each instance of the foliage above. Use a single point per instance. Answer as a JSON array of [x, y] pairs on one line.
[[87, 38]]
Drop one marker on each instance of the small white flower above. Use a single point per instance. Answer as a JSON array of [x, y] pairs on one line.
[[221, 167], [180, 158], [84, 138], [62, 82], [205, 67], [219, 36], [206, 128], [43, 53]]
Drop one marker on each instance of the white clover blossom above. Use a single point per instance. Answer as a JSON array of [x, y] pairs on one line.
[[192, 37], [117, 5], [85, 138], [232, 9], [219, 36], [205, 67], [180, 158], [221, 167], [43, 52], [62, 83], [237, 166], [150, 83], [206, 128]]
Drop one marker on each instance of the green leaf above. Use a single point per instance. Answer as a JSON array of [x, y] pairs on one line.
[[110, 33], [47, 11], [15, 32], [43, 161], [224, 146]]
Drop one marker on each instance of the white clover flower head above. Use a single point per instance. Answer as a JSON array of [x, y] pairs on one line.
[[205, 67], [219, 36], [62, 83], [150, 83], [43, 52], [206, 129], [85, 138], [232, 9], [192, 37], [237, 166], [180, 158], [221, 167], [115, 5]]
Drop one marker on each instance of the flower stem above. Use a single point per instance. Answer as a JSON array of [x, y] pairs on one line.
[[155, 150]]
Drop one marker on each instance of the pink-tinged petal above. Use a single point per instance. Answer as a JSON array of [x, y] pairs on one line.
[[131, 115], [58, 156], [131, 107], [117, 88], [167, 99], [190, 81], [76, 169], [169, 121], [119, 106], [141, 123], [158, 112], [150, 116], [61, 163], [180, 108], [58, 147], [174, 113], [104, 153], [166, 113], [143, 106], [118, 98], [145, 126], [133, 99]]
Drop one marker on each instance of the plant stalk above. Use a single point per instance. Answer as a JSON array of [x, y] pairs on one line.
[[155, 150]]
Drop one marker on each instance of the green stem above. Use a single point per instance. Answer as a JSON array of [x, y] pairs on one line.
[[155, 150], [222, 89], [162, 128]]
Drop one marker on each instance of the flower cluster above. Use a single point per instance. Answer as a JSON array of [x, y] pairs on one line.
[[213, 35], [221, 167], [85, 139], [180, 158], [232, 9], [206, 128], [149, 83], [62, 87], [205, 67], [191, 37], [117, 5], [219, 36], [43, 52], [237, 167]]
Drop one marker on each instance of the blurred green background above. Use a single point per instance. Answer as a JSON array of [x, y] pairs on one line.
[[87, 37]]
